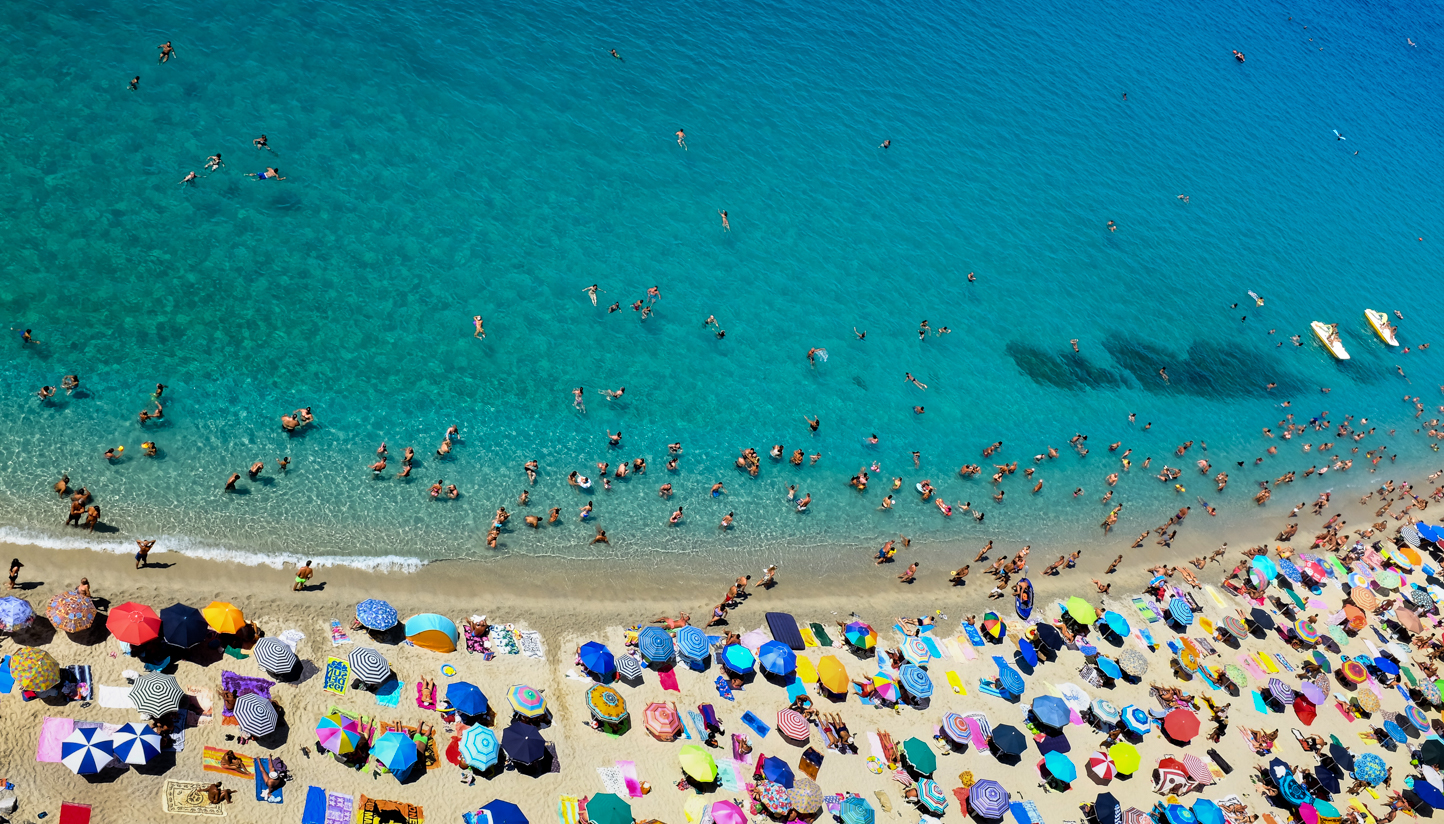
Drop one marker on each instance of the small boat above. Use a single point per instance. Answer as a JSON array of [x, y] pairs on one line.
[[1329, 337], [1382, 327], [1023, 601]]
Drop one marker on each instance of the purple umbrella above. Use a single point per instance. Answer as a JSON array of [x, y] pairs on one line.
[[1312, 692]]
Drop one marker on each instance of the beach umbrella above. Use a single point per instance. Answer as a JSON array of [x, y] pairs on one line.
[[628, 668], [1028, 651], [988, 799], [1178, 814], [1312, 692], [1259, 580], [930, 795], [135, 743], [1408, 619], [1136, 719], [606, 704], [1133, 662], [1235, 627], [1422, 599], [1180, 611], [915, 651], [599, 661], [338, 733], [1009, 678], [1049, 636], [1314, 568], [806, 796], [1181, 725], [1117, 623], [1431, 692], [87, 750], [1073, 696], [255, 715], [662, 721], [156, 695], [1280, 691], [1291, 570], [376, 614], [1345, 759], [1354, 672], [71, 612], [1370, 769], [133, 623], [467, 698], [396, 752], [1265, 567], [273, 656], [1386, 666], [698, 763], [774, 797], [1101, 765], [1388, 579], [183, 626], [1428, 793], [523, 744], [955, 727], [1368, 701], [431, 631], [223, 617], [1060, 767], [1364, 599], [692, 643], [1306, 710], [1109, 667], [1080, 610], [1106, 711], [777, 658], [1416, 717], [860, 635], [737, 658], [886, 689], [725, 812], [1133, 815], [1188, 659], [368, 665], [479, 747], [655, 645], [15, 613], [1107, 809], [1326, 778], [1306, 632], [915, 680], [1051, 711], [606, 808], [774, 769], [525, 701], [1396, 732], [1236, 674], [919, 756], [504, 812], [1292, 791], [34, 669], [1197, 770], [856, 810], [1126, 757], [993, 625], [1009, 740], [832, 675], [792, 724]]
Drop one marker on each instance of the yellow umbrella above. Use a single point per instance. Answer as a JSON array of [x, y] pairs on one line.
[[34, 669], [224, 617], [1125, 756], [1188, 659], [832, 674], [697, 763]]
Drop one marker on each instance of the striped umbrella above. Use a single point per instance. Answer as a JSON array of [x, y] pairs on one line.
[[606, 704], [135, 743], [655, 645], [15, 613], [1133, 815], [1416, 717], [376, 614], [915, 651], [993, 625], [87, 750], [224, 617], [133, 623], [1354, 672], [988, 799], [1180, 611], [1101, 765], [1410, 534], [1133, 662], [774, 797], [692, 643], [368, 665], [628, 668], [256, 715], [396, 752], [1364, 598], [273, 656], [915, 680], [71, 612], [806, 795], [479, 747], [978, 723], [886, 688], [1009, 678], [1105, 710], [662, 721], [930, 795], [1197, 770], [1306, 631], [156, 695], [860, 635], [1281, 691], [955, 728], [34, 669], [337, 733], [792, 724], [1235, 626], [526, 701], [856, 810], [1136, 719]]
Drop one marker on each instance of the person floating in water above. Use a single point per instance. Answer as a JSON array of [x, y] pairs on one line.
[[190, 178], [166, 52], [1238, 55], [271, 173], [134, 83], [726, 227], [260, 143], [885, 143], [681, 138], [618, 56], [214, 162], [476, 321]]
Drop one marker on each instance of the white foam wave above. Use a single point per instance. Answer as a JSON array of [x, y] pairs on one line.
[[190, 548]]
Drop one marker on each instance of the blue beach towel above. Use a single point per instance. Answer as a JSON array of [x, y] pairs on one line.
[[755, 724], [934, 649], [795, 690], [986, 685], [866, 702], [974, 637], [389, 693], [723, 689], [315, 812], [1259, 703], [263, 766], [7, 681]]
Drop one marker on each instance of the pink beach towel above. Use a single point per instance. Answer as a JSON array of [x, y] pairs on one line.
[[629, 775], [668, 679], [966, 649], [1251, 666], [52, 732]]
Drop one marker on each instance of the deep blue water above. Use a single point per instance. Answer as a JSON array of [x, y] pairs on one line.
[[444, 160]]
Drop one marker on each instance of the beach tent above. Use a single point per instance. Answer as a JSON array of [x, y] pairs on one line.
[[431, 631]]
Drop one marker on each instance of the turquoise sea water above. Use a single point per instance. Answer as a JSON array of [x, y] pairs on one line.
[[444, 160]]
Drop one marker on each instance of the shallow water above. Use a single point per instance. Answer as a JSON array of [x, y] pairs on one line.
[[446, 160]]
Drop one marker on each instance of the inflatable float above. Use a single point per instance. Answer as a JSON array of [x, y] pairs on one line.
[[1382, 327], [1023, 602], [1330, 339]]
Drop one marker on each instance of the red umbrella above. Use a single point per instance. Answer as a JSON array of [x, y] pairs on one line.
[[1181, 725], [1305, 710], [133, 623]]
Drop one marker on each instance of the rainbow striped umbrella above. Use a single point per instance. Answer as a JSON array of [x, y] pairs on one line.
[[993, 625], [860, 635], [1416, 717], [915, 651], [886, 689], [526, 701], [338, 733], [1306, 631], [1354, 672]]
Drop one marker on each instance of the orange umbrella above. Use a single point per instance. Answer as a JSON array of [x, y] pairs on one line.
[[224, 617], [1364, 598], [832, 674], [1356, 617], [1411, 554]]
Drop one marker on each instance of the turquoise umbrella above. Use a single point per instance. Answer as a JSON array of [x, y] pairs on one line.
[[396, 752], [1060, 767]]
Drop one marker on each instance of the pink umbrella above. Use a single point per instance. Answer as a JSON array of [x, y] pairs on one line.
[[754, 639], [1311, 815], [725, 812]]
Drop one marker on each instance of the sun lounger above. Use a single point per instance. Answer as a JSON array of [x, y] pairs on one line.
[[784, 629]]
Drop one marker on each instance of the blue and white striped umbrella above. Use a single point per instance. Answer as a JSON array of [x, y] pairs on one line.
[[1136, 719], [988, 799], [655, 645], [628, 668], [15, 613], [1105, 710], [692, 643], [135, 743], [1181, 611], [479, 747], [1010, 678], [87, 750], [915, 680], [376, 614]]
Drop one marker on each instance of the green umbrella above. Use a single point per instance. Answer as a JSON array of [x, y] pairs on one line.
[[920, 756], [1081, 610], [606, 808]]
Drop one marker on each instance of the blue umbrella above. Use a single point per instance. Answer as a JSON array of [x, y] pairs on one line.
[[376, 614], [1109, 667], [692, 643], [1416, 717], [737, 658], [1180, 611], [1326, 778], [183, 626], [1060, 767], [1291, 571], [777, 658], [479, 747], [655, 645], [468, 699], [1266, 567], [1117, 623], [1428, 793], [1370, 769], [857, 811], [396, 751], [1136, 719], [1030, 655], [1051, 711], [988, 799], [915, 681], [522, 743], [1207, 812], [504, 812], [1011, 680], [776, 770], [1292, 791], [1386, 666], [1179, 814], [599, 660], [1395, 732], [15, 613]]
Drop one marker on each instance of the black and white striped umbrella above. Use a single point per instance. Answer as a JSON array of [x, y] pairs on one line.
[[274, 656], [368, 665], [155, 694], [1410, 534], [256, 715], [629, 668]]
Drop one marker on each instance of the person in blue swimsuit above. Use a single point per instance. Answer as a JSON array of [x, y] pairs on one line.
[[271, 173]]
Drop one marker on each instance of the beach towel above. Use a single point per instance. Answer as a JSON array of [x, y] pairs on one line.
[[115, 698], [380, 811], [188, 798], [784, 628], [613, 781], [338, 635], [1144, 610], [7, 681], [531, 645], [809, 639], [389, 693], [668, 680], [697, 725], [729, 774], [806, 671], [822, 637], [965, 650], [263, 768], [866, 702], [211, 762], [1283, 662], [52, 732], [203, 702], [975, 638], [753, 723], [1258, 702], [1251, 666], [723, 689], [795, 690], [629, 775], [1147, 638], [568, 810], [874, 743], [810, 762], [934, 648], [1267, 662], [338, 676], [339, 808], [72, 813], [424, 701]]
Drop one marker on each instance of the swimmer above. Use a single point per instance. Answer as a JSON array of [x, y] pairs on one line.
[[682, 138], [812, 423], [1183, 198], [611, 395], [476, 322], [214, 162], [619, 57], [971, 278], [726, 522], [190, 178], [615, 307], [592, 292], [1074, 342], [717, 490], [134, 83], [231, 482], [166, 52], [1163, 373], [676, 517], [1112, 227], [270, 172], [860, 335], [577, 399], [726, 227], [908, 376], [885, 143], [653, 294]]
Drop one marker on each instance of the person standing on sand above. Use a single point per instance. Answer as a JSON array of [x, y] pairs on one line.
[[303, 574], [15, 566], [143, 553]]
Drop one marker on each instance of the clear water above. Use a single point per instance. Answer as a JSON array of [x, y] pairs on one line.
[[445, 160]]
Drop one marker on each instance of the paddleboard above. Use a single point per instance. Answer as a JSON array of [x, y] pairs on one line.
[[1382, 327], [1024, 607], [1335, 347]]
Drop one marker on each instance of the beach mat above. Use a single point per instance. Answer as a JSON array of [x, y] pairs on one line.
[[115, 698], [381, 811], [753, 723], [211, 762], [629, 775], [795, 690], [7, 681], [189, 798], [784, 629], [613, 781], [806, 672], [338, 635], [263, 767], [808, 637], [324, 807], [822, 637], [668, 680]]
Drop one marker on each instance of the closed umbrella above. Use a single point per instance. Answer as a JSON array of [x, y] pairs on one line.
[[777, 658], [133, 623], [15, 614], [628, 668], [1009, 740], [776, 770], [662, 721], [223, 617], [655, 645], [87, 750], [523, 744], [135, 743], [792, 724], [34, 669], [1051, 711], [988, 799], [156, 695], [273, 656], [692, 643], [1181, 725], [183, 626], [1101, 765], [479, 747], [376, 614], [698, 763], [915, 651], [1060, 767], [919, 756], [930, 795], [1080, 610], [255, 715], [71, 612], [915, 681], [1126, 756], [856, 810], [368, 665], [737, 658], [1136, 719], [1028, 651], [832, 675], [467, 698], [396, 752], [526, 701], [1133, 663], [606, 704], [338, 733]]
